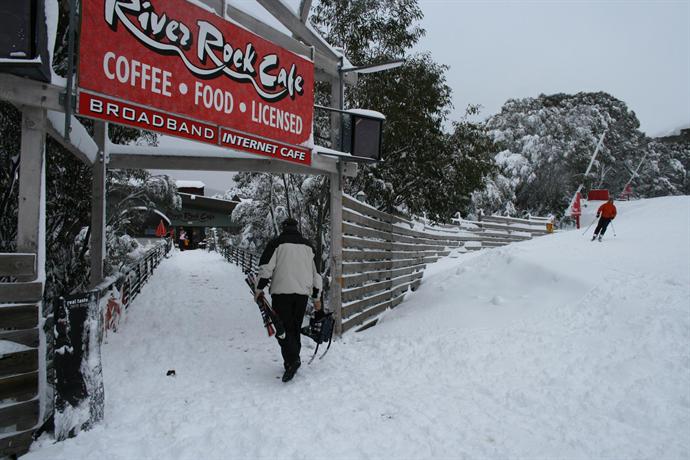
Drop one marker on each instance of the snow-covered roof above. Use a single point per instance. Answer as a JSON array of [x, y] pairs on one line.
[[189, 184], [367, 113]]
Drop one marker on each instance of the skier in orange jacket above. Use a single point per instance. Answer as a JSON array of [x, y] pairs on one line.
[[606, 213]]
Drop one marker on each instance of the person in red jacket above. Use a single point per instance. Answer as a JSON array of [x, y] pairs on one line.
[[606, 213]]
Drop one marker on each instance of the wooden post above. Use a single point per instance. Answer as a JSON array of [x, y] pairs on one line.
[[217, 5], [31, 223], [97, 249], [32, 187], [335, 300]]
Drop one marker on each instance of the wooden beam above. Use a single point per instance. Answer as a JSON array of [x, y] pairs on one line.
[[359, 279], [364, 232], [18, 317], [269, 33], [216, 5], [303, 31], [15, 444], [386, 285], [336, 202], [18, 265], [32, 183], [28, 337], [351, 203], [367, 266], [515, 220], [373, 311], [80, 144], [357, 306], [304, 7], [19, 387], [326, 65], [202, 163], [98, 218], [356, 254], [24, 92], [362, 243], [21, 362], [29, 291], [21, 416]]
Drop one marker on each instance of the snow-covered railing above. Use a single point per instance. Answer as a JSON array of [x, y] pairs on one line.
[[129, 283], [246, 260]]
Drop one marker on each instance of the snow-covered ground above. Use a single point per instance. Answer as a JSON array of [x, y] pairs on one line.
[[552, 348]]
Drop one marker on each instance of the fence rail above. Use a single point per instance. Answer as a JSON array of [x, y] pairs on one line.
[[128, 283], [18, 264], [246, 260], [19, 354], [384, 256]]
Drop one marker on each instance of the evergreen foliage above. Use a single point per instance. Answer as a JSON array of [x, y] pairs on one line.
[[423, 169], [546, 144]]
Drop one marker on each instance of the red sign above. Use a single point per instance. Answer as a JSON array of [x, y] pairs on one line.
[[173, 67], [598, 195], [577, 207]]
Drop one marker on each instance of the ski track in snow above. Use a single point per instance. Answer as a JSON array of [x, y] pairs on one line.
[[550, 348]]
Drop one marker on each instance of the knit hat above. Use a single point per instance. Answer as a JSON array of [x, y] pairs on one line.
[[289, 222]]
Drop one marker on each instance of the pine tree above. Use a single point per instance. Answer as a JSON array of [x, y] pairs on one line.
[[419, 168], [547, 142]]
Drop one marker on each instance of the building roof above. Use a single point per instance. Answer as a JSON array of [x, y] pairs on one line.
[[189, 184]]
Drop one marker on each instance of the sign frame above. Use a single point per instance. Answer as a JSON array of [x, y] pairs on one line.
[[284, 134]]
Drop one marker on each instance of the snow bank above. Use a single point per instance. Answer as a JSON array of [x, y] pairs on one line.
[[556, 347]]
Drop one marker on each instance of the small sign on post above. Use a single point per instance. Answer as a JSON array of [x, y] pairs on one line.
[[577, 209], [79, 394]]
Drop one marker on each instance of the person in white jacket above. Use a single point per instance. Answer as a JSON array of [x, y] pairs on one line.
[[288, 262]]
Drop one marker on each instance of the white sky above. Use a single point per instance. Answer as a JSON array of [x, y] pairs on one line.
[[638, 51]]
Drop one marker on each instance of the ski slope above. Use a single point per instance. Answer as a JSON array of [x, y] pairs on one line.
[[552, 348]]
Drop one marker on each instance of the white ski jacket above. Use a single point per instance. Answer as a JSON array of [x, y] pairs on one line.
[[288, 261]]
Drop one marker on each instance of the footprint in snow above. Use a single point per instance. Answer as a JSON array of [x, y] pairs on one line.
[[497, 300]]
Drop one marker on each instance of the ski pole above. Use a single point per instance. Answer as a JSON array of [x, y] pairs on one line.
[[587, 229], [614, 229]]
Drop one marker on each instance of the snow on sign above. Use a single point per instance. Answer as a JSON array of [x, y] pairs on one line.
[[173, 67]]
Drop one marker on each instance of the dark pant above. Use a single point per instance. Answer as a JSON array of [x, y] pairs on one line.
[[601, 226], [290, 308]]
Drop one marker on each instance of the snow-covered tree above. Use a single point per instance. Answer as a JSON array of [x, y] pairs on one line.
[[665, 169], [547, 142], [423, 167]]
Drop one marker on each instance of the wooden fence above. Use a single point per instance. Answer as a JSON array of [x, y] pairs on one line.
[[20, 348], [507, 227], [384, 256], [20, 402]]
